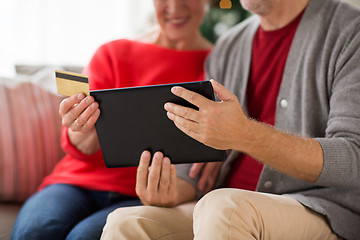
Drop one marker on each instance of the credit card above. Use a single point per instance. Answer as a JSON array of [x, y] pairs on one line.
[[69, 83]]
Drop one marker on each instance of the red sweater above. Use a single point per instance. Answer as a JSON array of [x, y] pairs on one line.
[[269, 54], [123, 63]]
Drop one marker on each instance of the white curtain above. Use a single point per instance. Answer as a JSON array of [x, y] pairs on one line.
[[65, 31]]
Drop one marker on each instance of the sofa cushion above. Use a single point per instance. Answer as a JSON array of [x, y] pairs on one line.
[[30, 129], [9, 212]]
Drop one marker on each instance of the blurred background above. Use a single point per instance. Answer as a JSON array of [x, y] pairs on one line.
[[67, 32], [64, 31], [58, 32]]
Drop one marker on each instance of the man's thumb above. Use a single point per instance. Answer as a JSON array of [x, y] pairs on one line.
[[221, 91]]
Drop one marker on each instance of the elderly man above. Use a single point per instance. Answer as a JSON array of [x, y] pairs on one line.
[[293, 65]]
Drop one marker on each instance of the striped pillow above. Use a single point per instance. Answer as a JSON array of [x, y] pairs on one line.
[[30, 129]]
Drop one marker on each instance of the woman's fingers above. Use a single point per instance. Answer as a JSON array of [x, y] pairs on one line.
[[79, 113], [87, 118], [90, 123], [142, 174], [154, 175], [69, 103], [156, 185], [165, 180], [173, 183]]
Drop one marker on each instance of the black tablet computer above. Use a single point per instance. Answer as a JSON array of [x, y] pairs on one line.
[[134, 119]]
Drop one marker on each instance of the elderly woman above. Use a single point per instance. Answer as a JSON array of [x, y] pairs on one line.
[[75, 199]]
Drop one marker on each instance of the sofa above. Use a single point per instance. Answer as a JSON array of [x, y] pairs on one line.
[[30, 129]]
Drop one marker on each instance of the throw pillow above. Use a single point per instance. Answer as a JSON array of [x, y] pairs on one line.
[[30, 129]]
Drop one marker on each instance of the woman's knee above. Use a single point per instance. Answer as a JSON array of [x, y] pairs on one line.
[[43, 217], [38, 225]]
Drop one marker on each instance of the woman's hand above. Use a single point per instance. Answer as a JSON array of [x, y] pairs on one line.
[[79, 113], [156, 185]]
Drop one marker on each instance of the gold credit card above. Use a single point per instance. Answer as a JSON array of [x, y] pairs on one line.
[[69, 83]]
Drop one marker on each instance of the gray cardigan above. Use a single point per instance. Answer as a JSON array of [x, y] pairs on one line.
[[319, 97]]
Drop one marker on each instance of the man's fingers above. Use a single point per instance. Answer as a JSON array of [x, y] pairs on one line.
[[187, 126], [184, 112], [209, 185], [190, 96], [223, 93], [208, 176], [142, 173], [195, 169], [202, 183]]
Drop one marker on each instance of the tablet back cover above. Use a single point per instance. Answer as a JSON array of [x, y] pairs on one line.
[[134, 119]]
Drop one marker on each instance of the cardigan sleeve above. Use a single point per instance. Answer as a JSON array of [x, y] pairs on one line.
[[341, 145]]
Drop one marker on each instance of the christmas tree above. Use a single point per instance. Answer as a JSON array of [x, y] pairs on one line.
[[221, 16]]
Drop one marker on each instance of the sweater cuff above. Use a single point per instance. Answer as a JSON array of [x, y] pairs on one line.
[[339, 162], [71, 150]]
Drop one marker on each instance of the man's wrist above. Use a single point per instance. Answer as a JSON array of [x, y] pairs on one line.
[[248, 136]]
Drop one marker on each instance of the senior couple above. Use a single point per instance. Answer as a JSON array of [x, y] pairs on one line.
[[288, 80]]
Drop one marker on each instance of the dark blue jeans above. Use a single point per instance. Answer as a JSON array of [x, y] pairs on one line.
[[63, 211]]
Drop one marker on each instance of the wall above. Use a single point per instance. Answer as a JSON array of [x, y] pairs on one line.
[[65, 31], [356, 2]]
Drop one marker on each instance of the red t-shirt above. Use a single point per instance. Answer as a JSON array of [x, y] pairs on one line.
[[269, 54], [123, 63]]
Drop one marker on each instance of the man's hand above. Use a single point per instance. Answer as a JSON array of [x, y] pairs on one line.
[[209, 173], [223, 125], [156, 185], [217, 124]]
